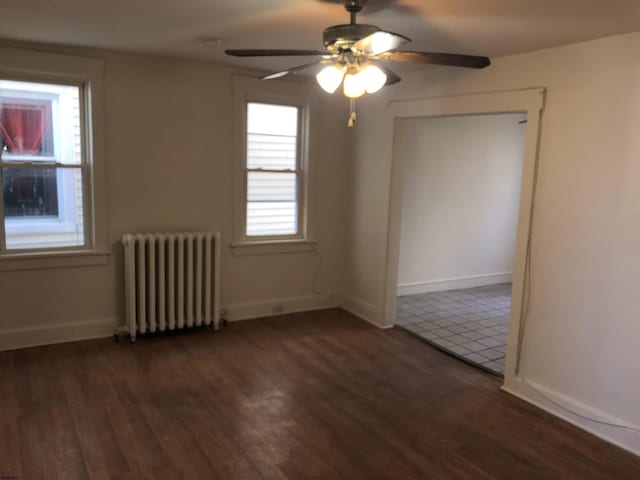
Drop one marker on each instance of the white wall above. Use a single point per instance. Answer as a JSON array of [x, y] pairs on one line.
[[169, 165], [581, 339], [461, 195]]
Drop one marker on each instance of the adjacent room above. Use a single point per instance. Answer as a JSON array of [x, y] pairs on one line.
[[337, 239], [461, 197]]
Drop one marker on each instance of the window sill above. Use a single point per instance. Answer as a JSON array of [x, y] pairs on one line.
[[273, 247], [47, 260]]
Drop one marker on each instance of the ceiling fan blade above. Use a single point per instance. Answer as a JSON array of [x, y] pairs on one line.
[[274, 53], [450, 59], [392, 77], [290, 71], [380, 42]]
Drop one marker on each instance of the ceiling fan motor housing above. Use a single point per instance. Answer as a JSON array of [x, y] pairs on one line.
[[341, 37]]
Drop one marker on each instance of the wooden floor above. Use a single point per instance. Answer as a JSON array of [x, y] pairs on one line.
[[318, 395]]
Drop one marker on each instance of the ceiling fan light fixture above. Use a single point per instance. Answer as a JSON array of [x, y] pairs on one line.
[[373, 78], [354, 86], [330, 78]]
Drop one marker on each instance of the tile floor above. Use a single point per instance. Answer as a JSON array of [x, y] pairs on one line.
[[470, 323]]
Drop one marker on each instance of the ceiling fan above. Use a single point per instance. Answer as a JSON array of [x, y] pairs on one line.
[[353, 56]]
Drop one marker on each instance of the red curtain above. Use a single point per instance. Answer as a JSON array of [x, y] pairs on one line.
[[23, 128]]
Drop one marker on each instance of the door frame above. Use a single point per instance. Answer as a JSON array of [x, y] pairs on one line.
[[528, 101]]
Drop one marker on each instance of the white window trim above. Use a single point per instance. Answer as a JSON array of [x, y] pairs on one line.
[[247, 90], [31, 65]]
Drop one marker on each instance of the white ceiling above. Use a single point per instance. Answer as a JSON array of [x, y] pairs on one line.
[[169, 27]]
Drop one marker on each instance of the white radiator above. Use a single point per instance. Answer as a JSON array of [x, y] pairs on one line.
[[172, 281]]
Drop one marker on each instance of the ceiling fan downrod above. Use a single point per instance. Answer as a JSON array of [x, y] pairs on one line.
[[353, 7]]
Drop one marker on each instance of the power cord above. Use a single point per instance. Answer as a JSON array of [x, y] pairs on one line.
[[524, 313], [572, 412], [528, 279], [316, 277]]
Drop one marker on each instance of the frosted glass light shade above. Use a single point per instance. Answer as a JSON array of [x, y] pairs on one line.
[[356, 80], [383, 42], [373, 78], [353, 85], [330, 78]]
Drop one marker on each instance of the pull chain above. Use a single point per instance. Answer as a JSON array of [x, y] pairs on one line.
[[352, 113]]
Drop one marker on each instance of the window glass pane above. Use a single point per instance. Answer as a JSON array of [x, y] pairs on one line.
[[30, 192], [272, 119], [40, 121], [271, 204], [43, 207], [271, 152]]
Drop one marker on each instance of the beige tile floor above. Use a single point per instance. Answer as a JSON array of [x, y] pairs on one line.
[[471, 323]]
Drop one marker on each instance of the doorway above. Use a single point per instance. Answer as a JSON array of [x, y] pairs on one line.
[[461, 194], [526, 101]]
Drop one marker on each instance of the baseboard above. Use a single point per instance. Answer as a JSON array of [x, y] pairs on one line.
[[52, 334], [62, 333], [267, 308], [453, 284], [366, 311], [550, 401]]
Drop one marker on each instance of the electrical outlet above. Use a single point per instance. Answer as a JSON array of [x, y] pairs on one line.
[[278, 308]]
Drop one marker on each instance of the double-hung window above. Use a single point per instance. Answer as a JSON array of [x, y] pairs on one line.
[[41, 165], [271, 167], [273, 171], [52, 172]]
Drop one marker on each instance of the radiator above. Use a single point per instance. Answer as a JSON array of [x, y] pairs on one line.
[[172, 281]]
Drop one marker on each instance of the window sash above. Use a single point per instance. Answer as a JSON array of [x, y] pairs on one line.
[[53, 105], [38, 164], [63, 223], [296, 201]]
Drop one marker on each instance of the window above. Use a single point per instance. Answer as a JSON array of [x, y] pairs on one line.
[[272, 170], [52, 172], [271, 167], [41, 165]]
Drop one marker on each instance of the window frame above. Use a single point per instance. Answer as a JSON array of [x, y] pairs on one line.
[[87, 74], [293, 94]]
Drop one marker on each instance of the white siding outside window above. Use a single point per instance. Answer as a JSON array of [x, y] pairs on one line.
[[272, 170]]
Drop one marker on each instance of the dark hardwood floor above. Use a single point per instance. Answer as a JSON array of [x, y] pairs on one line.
[[318, 395]]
